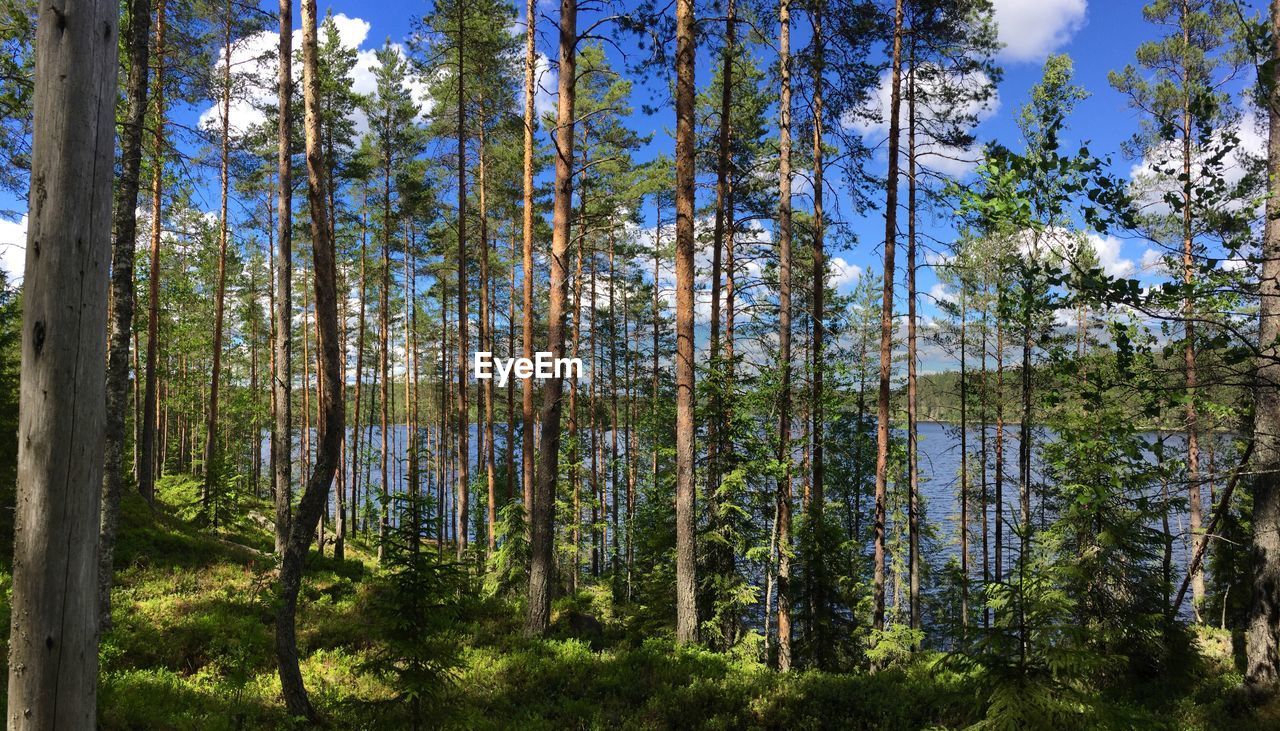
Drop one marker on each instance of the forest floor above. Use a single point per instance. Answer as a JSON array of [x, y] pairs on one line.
[[191, 648]]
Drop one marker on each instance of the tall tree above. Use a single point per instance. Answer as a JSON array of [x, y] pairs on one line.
[[53, 650], [1183, 105], [783, 529], [125, 232], [146, 468], [886, 315], [282, 381], [686, 568], [331, 408], [1262, 636], [542, 517], [526, 261]]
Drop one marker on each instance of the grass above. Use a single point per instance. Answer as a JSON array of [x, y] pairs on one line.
[[191, 648]]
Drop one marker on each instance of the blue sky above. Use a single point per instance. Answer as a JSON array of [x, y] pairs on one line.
[[1100, 37]]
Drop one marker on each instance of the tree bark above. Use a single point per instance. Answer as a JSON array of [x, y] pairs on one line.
[[913, 440], [211, 430], [146, 468], [1262, 636], [686, 569], [282, 384], [542, 524], [817, 598], [125, 226], [53, 652], [463, 415], [331, 419], [886, 317], [783, 507], [526, 312]]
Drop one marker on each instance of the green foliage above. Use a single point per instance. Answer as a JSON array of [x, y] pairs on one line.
[[508, 569], [414, 608]]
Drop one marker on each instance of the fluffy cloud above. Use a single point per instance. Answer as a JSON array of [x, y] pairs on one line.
[[253, 58], [932, 154], [1109, 250], [843, 273], [13, 248], [1151, 182], [1032, 29]]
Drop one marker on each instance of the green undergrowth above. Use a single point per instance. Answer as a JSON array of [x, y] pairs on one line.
[[192, 648]]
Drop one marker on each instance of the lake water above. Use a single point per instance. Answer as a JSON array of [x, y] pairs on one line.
[[939, 463]]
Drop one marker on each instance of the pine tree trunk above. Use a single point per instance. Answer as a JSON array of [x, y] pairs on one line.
[[53, 652], [886, 317], [463, 415], [526, 310], [211, 470], [817, 582], [146, 469], [783, 507], [542, 524], [331, 419], [282, 383], [686, 517], [913, 440], [1262, 637], [125, 228]]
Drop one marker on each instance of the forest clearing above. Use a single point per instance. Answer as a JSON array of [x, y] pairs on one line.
[[884, 364]]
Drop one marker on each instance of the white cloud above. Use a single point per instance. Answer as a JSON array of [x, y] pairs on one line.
[[1109, 250], [1032, 29], [873, 122], [1150, 179], [940, 293], [13, 248], [1153, 261], [842, 272], [253, 58]]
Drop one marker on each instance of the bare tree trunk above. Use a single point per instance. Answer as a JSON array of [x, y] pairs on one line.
[[686, 568], [486, 342], [53, 652], [360, 328], [542, 524], [1262, 637], [125, 226], [526, 313], [964, 462], [784, 339], [146, 476], [464, 417], [211, 436], [282, 383], [331, 418], [886, 316], [1194, 511], [384, 358], [913, 440], [817, 499]]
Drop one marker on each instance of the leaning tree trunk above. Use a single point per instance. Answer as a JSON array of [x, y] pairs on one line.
[[542, 524], [282, 385], [53, 652], [331, 418], [1262, 638], [125, 228]]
